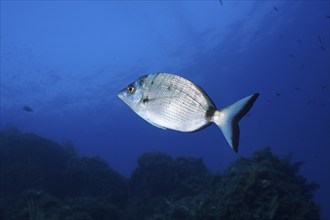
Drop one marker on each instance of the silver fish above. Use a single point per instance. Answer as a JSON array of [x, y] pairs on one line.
[[169, 101]]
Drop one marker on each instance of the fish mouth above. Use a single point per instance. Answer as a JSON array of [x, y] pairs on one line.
[[121, 95]]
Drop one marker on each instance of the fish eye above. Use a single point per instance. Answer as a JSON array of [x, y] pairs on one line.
[[130, 89]]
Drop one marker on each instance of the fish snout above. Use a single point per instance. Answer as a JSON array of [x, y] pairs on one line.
[[121, 95]]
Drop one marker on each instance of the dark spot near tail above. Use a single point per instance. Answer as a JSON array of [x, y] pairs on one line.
[[210, 113]]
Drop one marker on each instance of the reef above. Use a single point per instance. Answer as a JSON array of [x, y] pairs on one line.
[[41, 179]]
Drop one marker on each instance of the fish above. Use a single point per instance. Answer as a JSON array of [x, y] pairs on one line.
[[169, 101], [27, 109], [292, 55], [299, 41], [302, 67], [220, 2], [310, 102], [323, 48], [276, 9]]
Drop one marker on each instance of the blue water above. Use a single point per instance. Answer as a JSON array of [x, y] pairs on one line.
[[67, 61]]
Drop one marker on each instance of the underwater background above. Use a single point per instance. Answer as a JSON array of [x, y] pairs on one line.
[[70, 149]]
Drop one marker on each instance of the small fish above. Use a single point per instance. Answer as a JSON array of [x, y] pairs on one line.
[[299, 41], [292, 55], [27, 109], [276, 9], [319, 39], [220, 2], [169, 101], [323, 48], [278, 94], [302, 67], [327, 16], [310, 102]]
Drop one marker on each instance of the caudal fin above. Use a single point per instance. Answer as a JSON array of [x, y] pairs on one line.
[[227, 119]]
